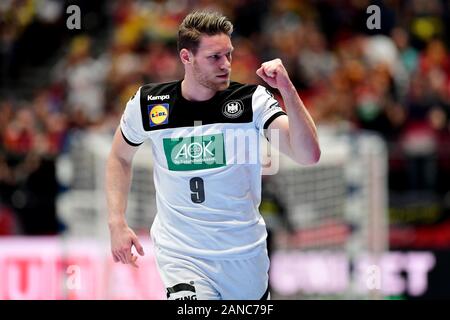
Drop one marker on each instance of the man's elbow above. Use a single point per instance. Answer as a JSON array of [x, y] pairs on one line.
[[117, 160], [309, 158]]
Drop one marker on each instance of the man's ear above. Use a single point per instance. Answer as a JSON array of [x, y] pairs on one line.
[[185, 56]]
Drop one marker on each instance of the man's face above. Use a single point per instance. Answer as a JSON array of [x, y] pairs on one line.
[[212, 62]]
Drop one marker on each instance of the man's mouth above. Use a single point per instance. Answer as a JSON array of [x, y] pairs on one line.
[[223, 76]]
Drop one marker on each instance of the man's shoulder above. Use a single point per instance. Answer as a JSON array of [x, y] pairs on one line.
[[158, 91]]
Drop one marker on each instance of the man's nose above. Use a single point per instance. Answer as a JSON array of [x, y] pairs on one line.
[[226, 64]]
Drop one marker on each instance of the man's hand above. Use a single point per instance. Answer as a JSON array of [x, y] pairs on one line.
[[122, 239], [274, 74]]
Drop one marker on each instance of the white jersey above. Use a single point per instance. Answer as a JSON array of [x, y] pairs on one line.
[[207, 171]]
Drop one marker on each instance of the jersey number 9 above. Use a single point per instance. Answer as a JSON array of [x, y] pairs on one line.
[[198, 190]]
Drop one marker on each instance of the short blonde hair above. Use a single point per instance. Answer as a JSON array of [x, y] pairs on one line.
[[199, 23]]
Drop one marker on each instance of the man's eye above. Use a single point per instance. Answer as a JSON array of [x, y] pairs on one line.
[[215, 57]]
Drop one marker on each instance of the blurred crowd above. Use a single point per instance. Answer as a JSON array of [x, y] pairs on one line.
[[394, 80]]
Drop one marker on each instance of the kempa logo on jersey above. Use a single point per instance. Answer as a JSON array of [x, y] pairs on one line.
[[153, 98], [195, 153], [233, 109], [158, 114]]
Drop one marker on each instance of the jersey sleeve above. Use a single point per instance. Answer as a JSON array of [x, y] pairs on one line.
[[131, 122], [265, 109]]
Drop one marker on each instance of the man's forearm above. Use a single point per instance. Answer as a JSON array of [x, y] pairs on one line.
[[302, 130], [118, 181]]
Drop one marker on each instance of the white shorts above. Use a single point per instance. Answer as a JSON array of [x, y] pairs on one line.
[[188, 278]]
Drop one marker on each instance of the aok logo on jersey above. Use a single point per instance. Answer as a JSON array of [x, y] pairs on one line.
[[158, 114], [195, 153]]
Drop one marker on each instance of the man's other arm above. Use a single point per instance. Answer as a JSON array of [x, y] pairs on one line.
[[118, 180]]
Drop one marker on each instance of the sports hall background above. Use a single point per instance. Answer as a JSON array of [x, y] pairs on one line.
[[57, 84]]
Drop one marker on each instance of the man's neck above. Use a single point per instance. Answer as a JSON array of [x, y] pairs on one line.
[[193, 91]]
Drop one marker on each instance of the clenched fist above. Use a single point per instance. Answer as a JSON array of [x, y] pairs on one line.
[[274, 74]]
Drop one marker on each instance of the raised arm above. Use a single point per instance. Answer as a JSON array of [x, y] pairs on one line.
[[118, 181], [297, 131]]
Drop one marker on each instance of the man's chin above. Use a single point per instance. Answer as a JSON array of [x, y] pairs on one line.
[[217, 86], [223, 85]]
